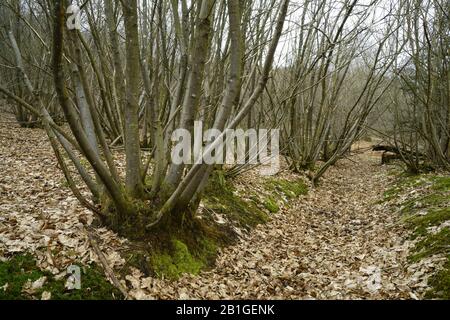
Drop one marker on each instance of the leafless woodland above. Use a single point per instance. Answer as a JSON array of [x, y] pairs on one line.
[[110, 92]]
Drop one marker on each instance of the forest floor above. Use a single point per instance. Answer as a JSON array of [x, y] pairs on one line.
[[341, 241]]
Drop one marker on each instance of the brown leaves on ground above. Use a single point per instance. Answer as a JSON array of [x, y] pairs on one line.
[[335, 243], [38, 213]]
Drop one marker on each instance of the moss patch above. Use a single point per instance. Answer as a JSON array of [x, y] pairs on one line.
[[20, 269], [427, 206], [440, 283], [432, 244], [179, 261], [432, 218], [441, 183], [290, 189], [190, 245], [271, 205], [404, 182], [220, 197]]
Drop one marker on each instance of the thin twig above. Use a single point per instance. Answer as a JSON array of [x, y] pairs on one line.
[[108, 271]]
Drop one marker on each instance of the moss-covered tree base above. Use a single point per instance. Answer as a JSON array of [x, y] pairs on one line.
[[188, 241], [175, 247]]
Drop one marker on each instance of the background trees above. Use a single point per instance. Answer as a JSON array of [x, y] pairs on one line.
[[422, 108], [323, 72]]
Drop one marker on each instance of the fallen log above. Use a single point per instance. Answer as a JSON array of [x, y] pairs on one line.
[[386, 148], [396, 150], [391, 153]]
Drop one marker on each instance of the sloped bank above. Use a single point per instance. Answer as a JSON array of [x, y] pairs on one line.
[[424, 203]]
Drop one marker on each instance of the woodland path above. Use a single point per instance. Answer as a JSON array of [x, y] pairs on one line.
[[337, 242]]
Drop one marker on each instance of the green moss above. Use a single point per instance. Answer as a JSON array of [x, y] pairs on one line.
[[171, 258], [432, 244], [16, 271], [405, 181], [190, 245], [179, 261], [441, 183], [432, 218], [207, 250], [187, 243], [431, 199], [64, 183], [290, 189], [394, 171], [440, 283], [84, 162], [220, 197], [391, 194], [271, 205]]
